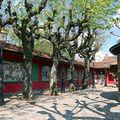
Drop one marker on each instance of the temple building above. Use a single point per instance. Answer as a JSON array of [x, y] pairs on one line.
[[13, 72]]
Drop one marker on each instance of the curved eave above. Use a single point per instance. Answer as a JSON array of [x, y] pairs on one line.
[[115, 49]]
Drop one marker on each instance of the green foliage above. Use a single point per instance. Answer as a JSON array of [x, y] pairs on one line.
[[43, 46], [100, 12], [13, 38]]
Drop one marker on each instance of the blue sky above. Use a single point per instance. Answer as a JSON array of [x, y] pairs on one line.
[[111, 40]]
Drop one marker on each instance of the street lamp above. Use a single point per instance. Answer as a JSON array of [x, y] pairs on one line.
[[3, 38]]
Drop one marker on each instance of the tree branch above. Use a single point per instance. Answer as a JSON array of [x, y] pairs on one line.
[[63, 57], [1, 3], [9, 8], [116, 24], [29, 6], [115, 34]]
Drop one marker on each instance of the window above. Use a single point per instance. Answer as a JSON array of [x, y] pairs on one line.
[[45, 72]]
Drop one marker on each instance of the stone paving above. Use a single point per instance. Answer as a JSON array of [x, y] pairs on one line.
[[88, 104]]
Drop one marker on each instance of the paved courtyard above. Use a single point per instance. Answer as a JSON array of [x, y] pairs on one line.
[[88, 104]]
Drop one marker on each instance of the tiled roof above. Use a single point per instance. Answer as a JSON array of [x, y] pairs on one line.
[[99, 65], [18, 49], [37, 53], [107, 61], [11, 47], [40, 54]]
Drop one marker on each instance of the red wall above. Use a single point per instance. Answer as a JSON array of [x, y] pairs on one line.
[[12, 87], [39, 84], [110, 79]]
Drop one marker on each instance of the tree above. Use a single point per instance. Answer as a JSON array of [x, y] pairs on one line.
[[72, 16], [84, 47], [68, 54], [2, 23], [57, 23], [25, 24], [89, 54], [72, 50], [58, 32]]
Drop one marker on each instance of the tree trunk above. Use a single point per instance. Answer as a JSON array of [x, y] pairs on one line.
[[53, 74], [27, 82], [72, 71], [93, 76], [1, 80], [105, 76], [86, 71], [63, 79]]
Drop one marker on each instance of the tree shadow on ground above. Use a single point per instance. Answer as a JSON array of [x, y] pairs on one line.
[[109, 95], [37, 94], [87, 91], [94, 106], [106, 109], [41, 93], [8, 98]]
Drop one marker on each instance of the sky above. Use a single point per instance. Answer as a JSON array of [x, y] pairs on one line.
[[110, 41]]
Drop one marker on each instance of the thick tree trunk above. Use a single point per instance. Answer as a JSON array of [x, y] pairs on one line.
[[63, 79], [1, 79], [27, 88], [86, 71], [27, 82], [72, 71], [93, 76], [53, 74]]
